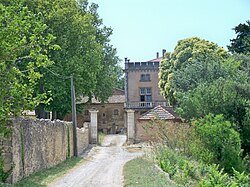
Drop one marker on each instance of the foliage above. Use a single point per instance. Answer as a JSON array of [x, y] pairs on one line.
[[187, 172], [174, 135], [245, 130], [222, 96], [241, 44], [244, 62], [221, 140], [22, 37], [180, 169], [187, 51], [207, 82], [220, 87], [24, 45], [120, 81], [218, 178], [3, 174], [84, 52]]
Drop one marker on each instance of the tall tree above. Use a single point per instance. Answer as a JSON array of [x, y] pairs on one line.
[[187, 51], [85, 53], [24, 42], [206, 79], [241, 44], [120, 80]]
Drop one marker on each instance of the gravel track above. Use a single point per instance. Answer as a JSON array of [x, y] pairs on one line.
[[103, 168]]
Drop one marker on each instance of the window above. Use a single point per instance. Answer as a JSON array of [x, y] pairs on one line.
[[145, 94], [142, 77], [116, 112], [142, 91], [148, 91], [145, 78], [103, 114]]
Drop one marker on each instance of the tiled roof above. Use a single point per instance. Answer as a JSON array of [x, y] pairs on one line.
[[156, 60], [159, 112], [117, 97]]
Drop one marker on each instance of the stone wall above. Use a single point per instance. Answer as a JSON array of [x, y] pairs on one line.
[[145, 132], [39, 144], [82, 138]]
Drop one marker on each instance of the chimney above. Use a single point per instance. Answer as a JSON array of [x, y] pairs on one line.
[[126, 59], [163, 52], [157, 55]]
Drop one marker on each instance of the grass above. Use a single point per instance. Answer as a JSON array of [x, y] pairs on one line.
[[143, 173], [44, 177]]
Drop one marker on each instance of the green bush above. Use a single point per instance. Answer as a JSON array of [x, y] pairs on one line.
[[221, 141], [3, 174], [180, 168], [215, 178], [184, 171]]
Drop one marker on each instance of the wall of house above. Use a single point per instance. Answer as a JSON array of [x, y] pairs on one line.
[[39, 144], [109, 121], [145, 132], [134, 84]]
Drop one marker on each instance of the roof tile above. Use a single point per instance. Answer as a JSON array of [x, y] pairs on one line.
[[159, 112]]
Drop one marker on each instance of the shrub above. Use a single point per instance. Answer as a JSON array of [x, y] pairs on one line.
[[3, 174], [179, 168], [221, 140], [184, 171], [174, 135]]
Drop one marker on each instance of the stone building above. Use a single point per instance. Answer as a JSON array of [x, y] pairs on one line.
[[110, 116], [147, 130], [142, 98], [141, 85]]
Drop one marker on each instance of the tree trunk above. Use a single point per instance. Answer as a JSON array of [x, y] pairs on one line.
[[40, 111]]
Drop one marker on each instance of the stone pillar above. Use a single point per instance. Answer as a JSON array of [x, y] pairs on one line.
[[130, 125], [93, 126]]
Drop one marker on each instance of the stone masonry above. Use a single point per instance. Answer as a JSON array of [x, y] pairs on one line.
[[39, 144]]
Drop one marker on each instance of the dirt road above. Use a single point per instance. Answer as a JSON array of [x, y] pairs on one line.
[[103, 168]]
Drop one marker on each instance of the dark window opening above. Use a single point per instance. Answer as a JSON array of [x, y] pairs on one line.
[[145, 94], [145, 78]]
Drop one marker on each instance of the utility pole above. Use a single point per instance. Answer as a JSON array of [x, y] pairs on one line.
[[73, 103]]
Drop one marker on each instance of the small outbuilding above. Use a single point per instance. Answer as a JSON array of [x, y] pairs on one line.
[[146, 129]]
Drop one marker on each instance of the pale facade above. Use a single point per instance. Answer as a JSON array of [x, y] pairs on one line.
[[141, 84]]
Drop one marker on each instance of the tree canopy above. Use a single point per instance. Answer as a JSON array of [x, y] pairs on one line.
[[241, 44], [200, 78], [85, 53], [43, 42], [23, 37], [187, 51]]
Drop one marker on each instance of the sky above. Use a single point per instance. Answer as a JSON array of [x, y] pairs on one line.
[[143, 27]]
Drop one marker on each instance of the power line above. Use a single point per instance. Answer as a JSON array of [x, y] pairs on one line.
[[59, 76]]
